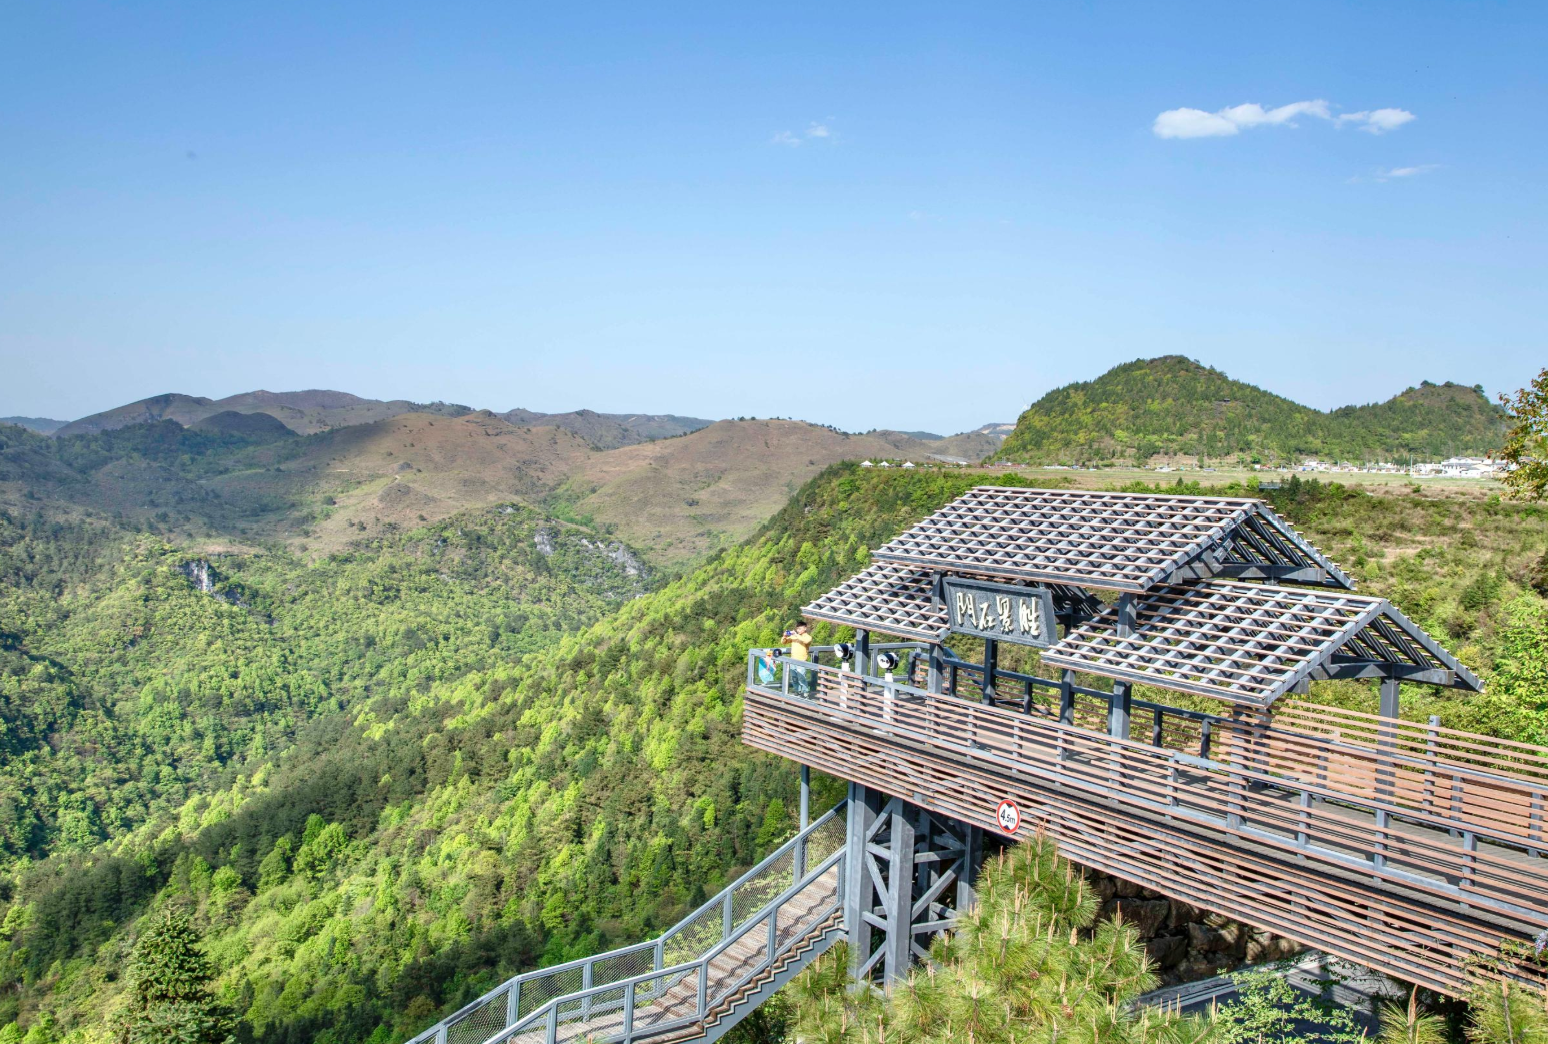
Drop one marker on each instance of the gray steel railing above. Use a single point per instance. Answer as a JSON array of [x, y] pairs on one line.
[[619, 992]]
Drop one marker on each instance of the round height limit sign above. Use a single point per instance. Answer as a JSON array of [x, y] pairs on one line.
[[1008, 816]]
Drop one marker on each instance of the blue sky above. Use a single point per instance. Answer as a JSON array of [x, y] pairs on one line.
[[913, 216]]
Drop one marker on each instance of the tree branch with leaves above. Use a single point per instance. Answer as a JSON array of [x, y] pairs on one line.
[[1526, 443]]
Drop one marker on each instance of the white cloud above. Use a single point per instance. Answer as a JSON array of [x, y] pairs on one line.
[[1378, 121], [814, 131], [1196, 123], [1405, 172]]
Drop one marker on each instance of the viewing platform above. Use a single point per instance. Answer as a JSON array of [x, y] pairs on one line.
[[1407, 847]]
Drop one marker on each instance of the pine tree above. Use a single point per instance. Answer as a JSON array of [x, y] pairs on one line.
[[169, 998]]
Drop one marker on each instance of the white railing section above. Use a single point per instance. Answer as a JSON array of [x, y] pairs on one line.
[[678, 978]]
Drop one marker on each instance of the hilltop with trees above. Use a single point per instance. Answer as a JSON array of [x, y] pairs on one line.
[[1175, 407]]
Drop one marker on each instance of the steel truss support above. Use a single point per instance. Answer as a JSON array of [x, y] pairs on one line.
[[910, 871]]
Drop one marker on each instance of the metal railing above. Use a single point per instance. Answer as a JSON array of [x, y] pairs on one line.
[[636, 990]]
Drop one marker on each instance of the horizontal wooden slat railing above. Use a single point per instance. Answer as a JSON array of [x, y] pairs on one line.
[[1323, 840]]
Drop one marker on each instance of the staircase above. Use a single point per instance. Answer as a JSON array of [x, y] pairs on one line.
[[694, 982]]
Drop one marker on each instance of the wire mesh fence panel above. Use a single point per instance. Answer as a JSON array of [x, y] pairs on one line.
[[665, 998], [539, 990], [625, 964], [599, 1014], [482, 1022], [759, 890], [824, 841], [695, 937]]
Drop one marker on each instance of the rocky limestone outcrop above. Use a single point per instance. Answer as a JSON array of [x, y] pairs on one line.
[[1185, 942]]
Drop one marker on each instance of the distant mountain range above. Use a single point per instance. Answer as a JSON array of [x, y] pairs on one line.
[[240, 478], [324, 469], [610, 430], [303, 412], [1174, 408], [41, 425], [318, 410]]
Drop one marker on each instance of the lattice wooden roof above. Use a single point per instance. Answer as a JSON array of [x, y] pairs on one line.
[[1251, 643], [893, 599], [1115, 541]]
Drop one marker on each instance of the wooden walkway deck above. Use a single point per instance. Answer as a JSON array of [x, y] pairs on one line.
[[1346, 840]]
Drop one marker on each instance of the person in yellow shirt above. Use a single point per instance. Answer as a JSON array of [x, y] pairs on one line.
[[800, 639]]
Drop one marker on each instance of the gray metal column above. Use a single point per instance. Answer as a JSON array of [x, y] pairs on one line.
[[862, 652], [897, 901], [933, 682], [1120, 709], [1386, 735], [863, 811], [991, 664], [1389, 697], [911, 871]]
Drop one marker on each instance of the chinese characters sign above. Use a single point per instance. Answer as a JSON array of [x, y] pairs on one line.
[[1024, 615]]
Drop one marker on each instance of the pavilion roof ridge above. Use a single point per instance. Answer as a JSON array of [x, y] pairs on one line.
[[1117, 541]]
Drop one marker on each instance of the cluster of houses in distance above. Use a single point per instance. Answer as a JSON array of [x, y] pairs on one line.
[[1452, 467]]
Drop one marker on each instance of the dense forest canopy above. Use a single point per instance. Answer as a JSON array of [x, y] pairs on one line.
[[1173, 406]]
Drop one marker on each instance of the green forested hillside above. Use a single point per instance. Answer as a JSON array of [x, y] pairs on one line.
[[431, 809], [1174, 406]]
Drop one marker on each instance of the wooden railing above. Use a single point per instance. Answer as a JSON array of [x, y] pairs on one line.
[[1364, 819]]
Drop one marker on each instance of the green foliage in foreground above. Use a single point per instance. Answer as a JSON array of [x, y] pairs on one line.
[[1027, 965], [1019, 968], [168, 990], [1526, 444]]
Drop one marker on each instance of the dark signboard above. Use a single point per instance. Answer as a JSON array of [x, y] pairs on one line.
[[1024, 615]]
